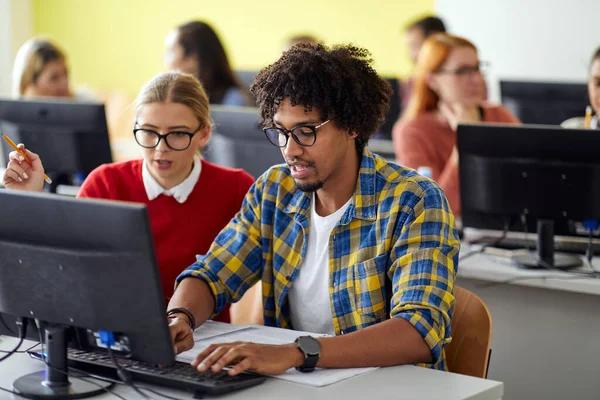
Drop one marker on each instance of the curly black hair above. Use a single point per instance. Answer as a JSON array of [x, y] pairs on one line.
[[339, 82]]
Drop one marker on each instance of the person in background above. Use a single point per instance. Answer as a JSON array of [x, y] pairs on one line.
[[449, 89], [415, 34], [195, 48], [590, 120], [40, 70], [189, 200]]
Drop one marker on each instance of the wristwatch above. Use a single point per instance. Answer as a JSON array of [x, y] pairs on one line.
[[311, 349]]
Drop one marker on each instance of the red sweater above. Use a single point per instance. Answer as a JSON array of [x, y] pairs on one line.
[[180, 231], [428, 141]]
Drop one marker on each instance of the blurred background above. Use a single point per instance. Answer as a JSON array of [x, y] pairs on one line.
[[118, 45]]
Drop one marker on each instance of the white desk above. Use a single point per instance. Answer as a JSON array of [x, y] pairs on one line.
[[405, 382], [546, 332]]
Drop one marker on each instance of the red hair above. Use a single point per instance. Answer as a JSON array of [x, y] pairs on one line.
[[433, 54]]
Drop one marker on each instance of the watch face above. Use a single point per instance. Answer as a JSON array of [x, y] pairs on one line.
[[309, 345]]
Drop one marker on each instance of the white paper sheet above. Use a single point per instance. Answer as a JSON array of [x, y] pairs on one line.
[[218, 332]]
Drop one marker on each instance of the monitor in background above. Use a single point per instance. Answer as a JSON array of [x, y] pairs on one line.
[[385, 132], [548, 103], [540, 179], [70, 137], [238, 141], [245, 77], [80, 266]]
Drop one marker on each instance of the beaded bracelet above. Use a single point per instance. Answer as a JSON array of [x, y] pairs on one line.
[[188, 314]]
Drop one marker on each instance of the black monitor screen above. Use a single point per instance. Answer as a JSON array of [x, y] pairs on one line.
[[70, 137]]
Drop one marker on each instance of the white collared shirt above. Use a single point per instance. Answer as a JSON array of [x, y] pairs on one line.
[[180, 192]]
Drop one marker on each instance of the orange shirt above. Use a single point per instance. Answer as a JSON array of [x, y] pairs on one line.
[[428, 140]]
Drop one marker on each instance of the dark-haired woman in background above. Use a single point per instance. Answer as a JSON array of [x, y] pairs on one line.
[[195, 48]]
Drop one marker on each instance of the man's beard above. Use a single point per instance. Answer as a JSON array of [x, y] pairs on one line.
[[309, 186]]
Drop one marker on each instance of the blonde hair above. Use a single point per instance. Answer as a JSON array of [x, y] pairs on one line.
[[433, 54], [176, 87], [30, 61]]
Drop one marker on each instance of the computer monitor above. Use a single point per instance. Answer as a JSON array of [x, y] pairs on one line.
[[245, 77], [533, 178], [238, 141], [548, 103], [385, 132], [80, 266], [70, 137]]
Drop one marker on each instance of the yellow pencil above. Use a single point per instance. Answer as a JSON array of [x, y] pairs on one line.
[[21, 152], [588, 117]]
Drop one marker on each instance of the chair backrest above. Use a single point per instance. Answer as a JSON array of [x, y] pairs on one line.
[[469, 351]]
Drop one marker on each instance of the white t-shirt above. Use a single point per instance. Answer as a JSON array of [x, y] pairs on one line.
[[310, 304]]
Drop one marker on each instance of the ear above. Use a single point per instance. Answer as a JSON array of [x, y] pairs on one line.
[[431, 81], [204, 136], [352, 134]]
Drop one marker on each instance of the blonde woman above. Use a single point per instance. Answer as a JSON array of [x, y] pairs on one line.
[[189, 200], [40, 70]]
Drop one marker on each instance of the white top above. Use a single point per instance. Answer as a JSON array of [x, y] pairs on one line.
[[310, 304], [181, 192], [579, 122]]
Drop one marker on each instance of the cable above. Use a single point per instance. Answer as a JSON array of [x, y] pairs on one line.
[[108, 339], [6, 326], [13, 351], [22, 351], [108, 390], [156, 392], [22, 328], [493, 244], [591, 225], [119, 382], [25, 396]]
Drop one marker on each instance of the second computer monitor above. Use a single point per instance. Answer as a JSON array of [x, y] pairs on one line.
[[70, 137], [548, 103], [239, 142], [535, 172]]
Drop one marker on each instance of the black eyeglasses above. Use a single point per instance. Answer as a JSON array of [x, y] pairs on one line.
[[177, 141], [480, 68], [304, 135]]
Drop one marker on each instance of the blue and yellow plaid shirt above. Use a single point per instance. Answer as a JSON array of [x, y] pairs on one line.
[[394, 252]]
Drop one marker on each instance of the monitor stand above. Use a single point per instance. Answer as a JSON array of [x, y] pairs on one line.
[[545, 258], [54, 382]]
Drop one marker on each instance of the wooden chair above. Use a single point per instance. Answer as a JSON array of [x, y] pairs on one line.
[[469, 352]]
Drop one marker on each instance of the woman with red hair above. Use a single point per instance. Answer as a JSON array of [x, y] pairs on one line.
[[449, 89]]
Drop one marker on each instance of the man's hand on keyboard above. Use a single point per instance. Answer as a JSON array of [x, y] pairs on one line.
[[243, 356], [181, 334]]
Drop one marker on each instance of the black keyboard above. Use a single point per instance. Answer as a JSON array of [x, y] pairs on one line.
[[578, 246], [179, 375]]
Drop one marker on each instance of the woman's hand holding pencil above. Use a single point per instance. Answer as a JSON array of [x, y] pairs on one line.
[[24, 171]]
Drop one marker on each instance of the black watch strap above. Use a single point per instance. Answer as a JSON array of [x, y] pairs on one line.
[[311, 349]]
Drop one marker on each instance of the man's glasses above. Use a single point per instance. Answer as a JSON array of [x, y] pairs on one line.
[[177, 141], [465, 71], [304, 135]]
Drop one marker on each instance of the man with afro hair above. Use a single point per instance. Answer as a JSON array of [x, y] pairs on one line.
[[344, 242]]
